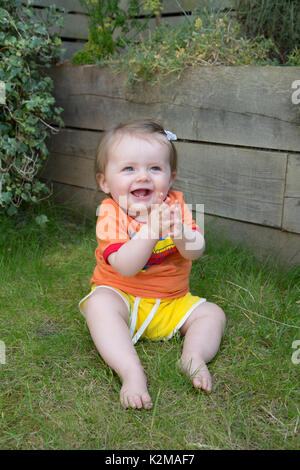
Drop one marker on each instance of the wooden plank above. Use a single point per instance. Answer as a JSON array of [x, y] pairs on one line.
[[291, 215], [70, 47], [75, 143], [293, 176], [291, 212], [67, 169], [278, 246], [72, 158], [242, 184], [171, 20], [81, 200], [75, 26], [247, 106]]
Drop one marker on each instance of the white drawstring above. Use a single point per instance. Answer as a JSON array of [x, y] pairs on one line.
[[134, 315], [146, 322]]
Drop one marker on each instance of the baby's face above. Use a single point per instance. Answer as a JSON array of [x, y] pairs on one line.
[[137, 173]]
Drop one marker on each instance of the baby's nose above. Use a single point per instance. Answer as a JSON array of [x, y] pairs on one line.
[[142, 175]]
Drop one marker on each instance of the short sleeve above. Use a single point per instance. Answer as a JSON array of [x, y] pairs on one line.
[[111, 228]]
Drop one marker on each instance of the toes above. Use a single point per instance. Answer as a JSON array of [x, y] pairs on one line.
[[124, 401], [209, 385], [200, 376], [131, 401], [136, 401], [197, 382], [148, 406], [202, 382], [147, 403]]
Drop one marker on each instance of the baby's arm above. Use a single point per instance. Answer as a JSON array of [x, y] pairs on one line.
[[191, 245], [133, 255]]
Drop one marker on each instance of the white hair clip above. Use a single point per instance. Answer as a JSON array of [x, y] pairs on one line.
[[170, 135]]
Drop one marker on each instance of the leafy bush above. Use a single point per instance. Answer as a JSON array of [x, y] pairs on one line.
[[294, 57], [278, 20], [26, 50], [110, 27], [255, 33], [205, 38]]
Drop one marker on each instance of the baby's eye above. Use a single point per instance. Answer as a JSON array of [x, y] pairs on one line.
[[155, 168], [128, 168]]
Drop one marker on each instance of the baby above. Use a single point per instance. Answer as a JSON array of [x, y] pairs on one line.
[[147, 240]]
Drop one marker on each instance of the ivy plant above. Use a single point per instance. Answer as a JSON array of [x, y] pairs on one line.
[[28, 114]]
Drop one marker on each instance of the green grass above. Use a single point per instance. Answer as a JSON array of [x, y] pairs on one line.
[[57, 393]]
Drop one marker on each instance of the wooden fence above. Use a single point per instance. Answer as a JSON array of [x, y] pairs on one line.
[[239, 144]]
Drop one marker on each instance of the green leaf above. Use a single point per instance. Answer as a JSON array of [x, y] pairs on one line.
[[12, 210], [42, 220]]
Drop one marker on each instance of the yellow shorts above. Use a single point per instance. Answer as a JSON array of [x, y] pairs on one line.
[[153, 318]]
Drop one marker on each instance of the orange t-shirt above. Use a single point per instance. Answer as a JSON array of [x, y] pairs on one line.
[[166, 273]]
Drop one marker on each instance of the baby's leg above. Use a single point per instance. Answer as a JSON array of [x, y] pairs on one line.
[[107, 319], [203, 331]]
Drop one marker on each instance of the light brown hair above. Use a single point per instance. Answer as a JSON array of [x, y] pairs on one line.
[[145, 128]]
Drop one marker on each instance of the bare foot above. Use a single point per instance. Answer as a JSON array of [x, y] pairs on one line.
[[196, 368], [134, 393]]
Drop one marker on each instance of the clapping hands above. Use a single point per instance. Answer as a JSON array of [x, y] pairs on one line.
[[164, 219]]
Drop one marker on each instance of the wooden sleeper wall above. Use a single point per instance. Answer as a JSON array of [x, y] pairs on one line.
[[238, 131], [239, 137]]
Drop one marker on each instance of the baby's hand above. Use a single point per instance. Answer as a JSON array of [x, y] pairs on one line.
[[176, 225], [159, 219]]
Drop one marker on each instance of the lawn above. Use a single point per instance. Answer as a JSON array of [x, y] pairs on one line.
[[57, 393]]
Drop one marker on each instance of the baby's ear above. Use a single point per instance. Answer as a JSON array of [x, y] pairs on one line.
[[102, 182]]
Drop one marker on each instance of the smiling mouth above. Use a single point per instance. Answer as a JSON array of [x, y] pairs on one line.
[[141, 193]]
